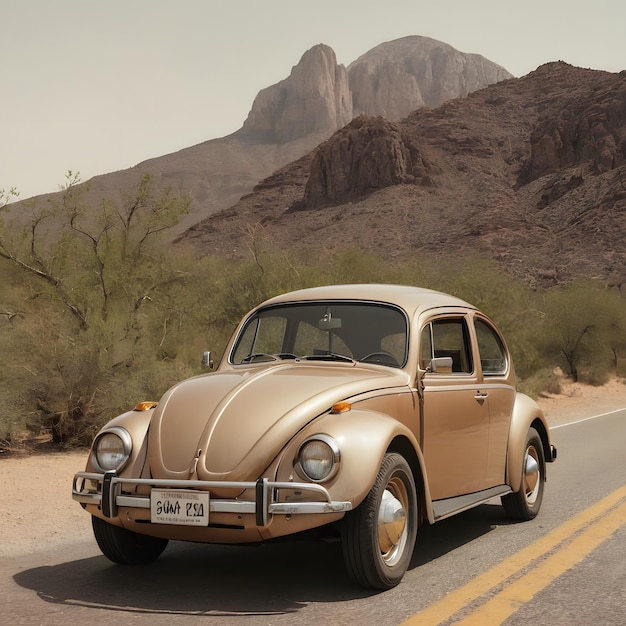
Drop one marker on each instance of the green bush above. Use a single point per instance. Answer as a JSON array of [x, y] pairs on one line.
[[584, 329]]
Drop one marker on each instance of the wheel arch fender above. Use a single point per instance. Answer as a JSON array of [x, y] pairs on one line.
[[526, 414], [414, 457], [136, 423], [363, 438]]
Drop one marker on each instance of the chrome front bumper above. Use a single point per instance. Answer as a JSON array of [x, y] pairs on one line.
[[109, 496]]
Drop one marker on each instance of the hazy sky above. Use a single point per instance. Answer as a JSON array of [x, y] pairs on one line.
[[98, 86]]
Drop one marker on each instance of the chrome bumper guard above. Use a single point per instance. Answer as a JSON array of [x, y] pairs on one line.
[[110, 498]]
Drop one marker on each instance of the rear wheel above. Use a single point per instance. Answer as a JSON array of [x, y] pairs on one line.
[[524, 504], [124, 546], [378, 537]]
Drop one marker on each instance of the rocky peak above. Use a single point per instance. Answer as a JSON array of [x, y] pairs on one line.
[[391, 80], [397, 77], [314, 99]]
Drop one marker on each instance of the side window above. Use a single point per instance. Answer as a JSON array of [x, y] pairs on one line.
[[492, 352], [447, 337], [426, 346]]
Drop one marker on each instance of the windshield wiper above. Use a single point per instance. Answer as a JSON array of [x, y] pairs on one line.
[[330, 356], [258, 356]]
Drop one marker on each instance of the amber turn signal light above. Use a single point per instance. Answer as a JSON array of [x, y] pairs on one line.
[[145, 406]]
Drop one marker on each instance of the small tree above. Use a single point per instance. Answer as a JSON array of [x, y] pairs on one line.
[[582, 325], [100, 294]]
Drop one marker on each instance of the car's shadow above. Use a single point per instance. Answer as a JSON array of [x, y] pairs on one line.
[[197, 579], [449, 534]]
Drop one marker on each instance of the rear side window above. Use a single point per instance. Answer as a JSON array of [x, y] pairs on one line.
[[447, 337], [492, 353]]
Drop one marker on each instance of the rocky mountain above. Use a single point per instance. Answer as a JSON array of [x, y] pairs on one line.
[[391, 80], [400, 76], [314, 100], [528, 171], [289, 119]]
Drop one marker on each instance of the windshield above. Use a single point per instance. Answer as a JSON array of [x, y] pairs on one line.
[[359, 331]]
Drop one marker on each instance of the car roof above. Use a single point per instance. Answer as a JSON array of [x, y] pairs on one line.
[[411, 299]]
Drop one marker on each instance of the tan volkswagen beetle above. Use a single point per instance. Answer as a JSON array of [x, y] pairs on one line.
[[368, 410]]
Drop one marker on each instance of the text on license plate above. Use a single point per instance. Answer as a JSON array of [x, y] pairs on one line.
[[179, 507]]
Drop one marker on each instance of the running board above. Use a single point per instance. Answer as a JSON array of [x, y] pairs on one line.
[[452, 506]]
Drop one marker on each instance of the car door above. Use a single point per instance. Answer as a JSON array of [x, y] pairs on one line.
[[455, 413], [499, 387]]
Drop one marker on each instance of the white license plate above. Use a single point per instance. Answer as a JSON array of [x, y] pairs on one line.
[[189, 508]]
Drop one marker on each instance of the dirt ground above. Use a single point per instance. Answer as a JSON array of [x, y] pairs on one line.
[[36, 508]]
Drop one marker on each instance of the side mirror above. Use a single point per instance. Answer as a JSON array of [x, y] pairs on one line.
[[441, 365], [207, 361]]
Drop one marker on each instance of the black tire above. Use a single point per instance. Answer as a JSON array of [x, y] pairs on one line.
[[377, 553], [524, 504], [124, 546]]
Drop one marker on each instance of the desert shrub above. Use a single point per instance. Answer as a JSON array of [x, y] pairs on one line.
[[584, 329], [597, 374], [353, 265], [89, 291], [543, 381]]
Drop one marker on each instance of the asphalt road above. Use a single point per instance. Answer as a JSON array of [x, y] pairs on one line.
[[565, 567]]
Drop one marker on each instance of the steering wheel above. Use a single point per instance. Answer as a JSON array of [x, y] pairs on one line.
[[384, 358]]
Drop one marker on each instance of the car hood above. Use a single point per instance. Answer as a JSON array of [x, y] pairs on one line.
[[230, 425]]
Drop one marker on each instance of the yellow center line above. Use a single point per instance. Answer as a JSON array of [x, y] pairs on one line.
[[456, 600], [518, 593]]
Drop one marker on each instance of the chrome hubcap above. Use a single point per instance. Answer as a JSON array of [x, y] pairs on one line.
[[532, 475], [392, 522]]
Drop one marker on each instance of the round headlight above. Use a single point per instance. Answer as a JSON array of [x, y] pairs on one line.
[[111, 449], [318, 458]]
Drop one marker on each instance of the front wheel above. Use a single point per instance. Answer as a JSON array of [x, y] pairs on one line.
[[124, 546], [525, 503], [378, 537]]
